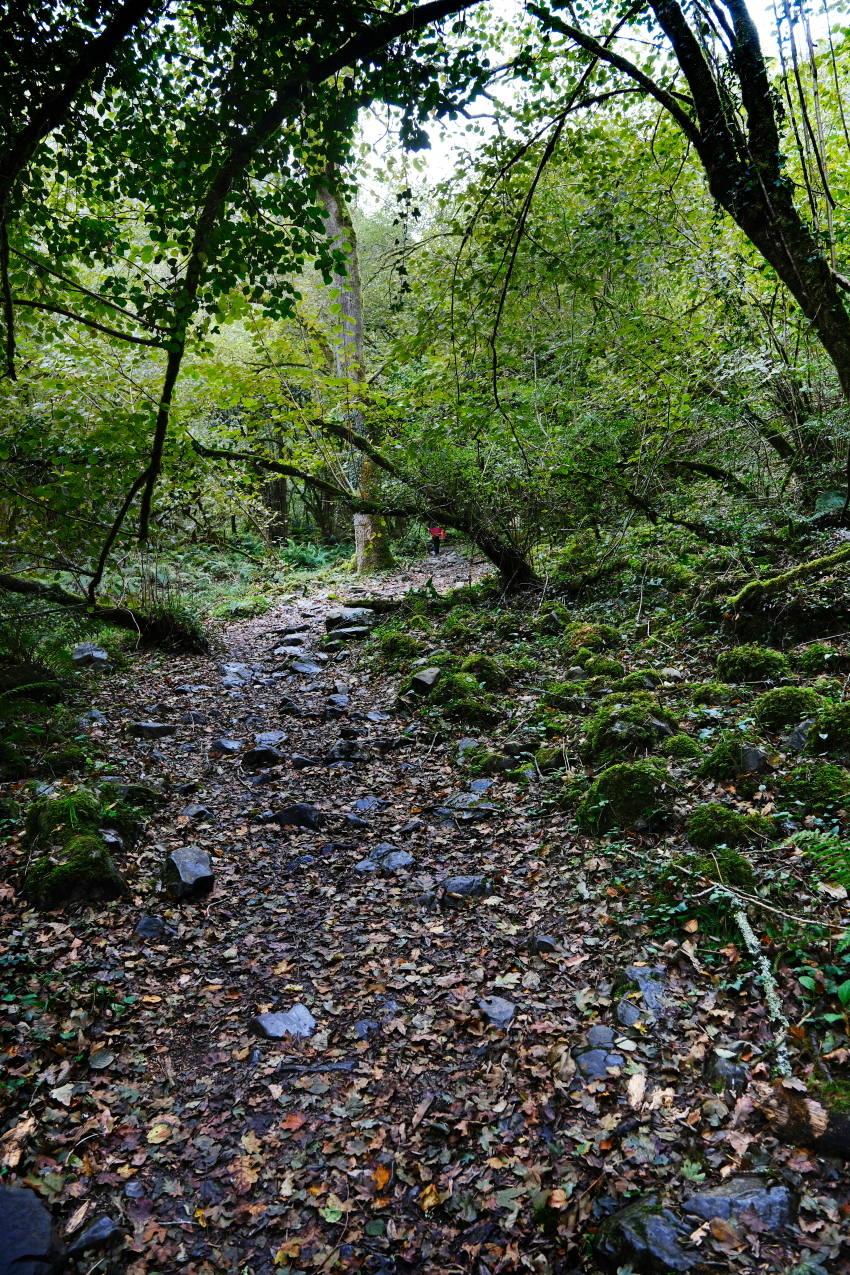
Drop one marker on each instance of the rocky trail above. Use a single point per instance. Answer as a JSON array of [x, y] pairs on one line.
[[385, 1017]]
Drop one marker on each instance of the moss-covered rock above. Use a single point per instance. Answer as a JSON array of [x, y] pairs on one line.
[[627, 795], [83, 872], [815, 788], [752, 663], [645, 679], [550, 758], [733, 754], [711, 693], [714, 825], [567, 697], [726, 866], [603, 666], [622, 727], [786, 706], [460, 699], [831, 730], [487, 670], [394, 646], [592, 637], [57, 818], [814, 658], [680, 746]]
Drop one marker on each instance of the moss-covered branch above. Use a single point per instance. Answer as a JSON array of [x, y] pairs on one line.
[[757, 590]]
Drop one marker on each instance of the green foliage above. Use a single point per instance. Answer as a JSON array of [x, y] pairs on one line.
[[58, 818], [460, 699], [752, 663], [831, 730], [714, 825], [680, 746], [581, 634], [622, 727], [625, 795], [725, 865], [487, 670], [603, 666], [816, 788], [712, 693], [786, 706], [829, 852], [817, 657]]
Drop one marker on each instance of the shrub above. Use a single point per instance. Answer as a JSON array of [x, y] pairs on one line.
[[786, 706], [624, 795], [830, 853], [680, 746], [622, 727], [714, 825], [752, 663], [831, 730], [816, 787]]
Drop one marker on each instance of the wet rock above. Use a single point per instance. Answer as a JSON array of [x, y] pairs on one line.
[[297, 1021], [456, 889], [29, 1243], [347, 616], [90, 655], [299, 815], [594, 1064], [261, 757], [628, 1013], [499, 1011], [227, 747], [270, 738], [599, 1034], [425, 680], [646, 1235], [98, 1235], [650, 982], [151, 730], [796, 741], [543, 944], [748, 1194], [152, 928], [92, 717], [195, 811], [189, 873], [727, 1071]]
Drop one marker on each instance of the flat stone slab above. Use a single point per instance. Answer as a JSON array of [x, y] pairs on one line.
[[270, 738], [151, 730], [299, 815], [351, 633], [772, 1205], [345, 617], [297, 1021], [29, 1243], [306, 667], [497, 1010], [90, 655], [227, 746], [189, 873]]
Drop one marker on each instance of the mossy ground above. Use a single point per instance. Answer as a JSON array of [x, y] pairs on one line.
[[624, 795], [624, 727], [752, 663], [714, 824], [786, 706]]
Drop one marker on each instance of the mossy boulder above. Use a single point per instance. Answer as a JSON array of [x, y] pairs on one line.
[[460, 698], [550, 758], [59, 817], [591, 637], [567, 697], [726, 865], [645, 679], [786, 706], [733, 754], [84, 871], [831, 730], [622, 727], [814, 658], [487, 670], [816, 787], [714, 825], [629, 794], [394, 647], [752, 663], [604, 666], [680, 746], [711, 693]]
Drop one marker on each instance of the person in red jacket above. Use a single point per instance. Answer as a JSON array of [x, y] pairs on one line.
[[437, 534]]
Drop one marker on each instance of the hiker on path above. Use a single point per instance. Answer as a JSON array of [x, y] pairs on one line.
[[437, 534]]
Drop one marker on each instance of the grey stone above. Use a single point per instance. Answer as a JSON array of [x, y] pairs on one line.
[[231, 682], [238, 673], [153, 927], [650, 981], [339, 702], [363, 804], [772, 1205], [350, 633], [673, 675], [227, 746], [464, 807], [575, 673], [97, 1235], [93, 717], [289, 707], [367, 867], [259, 758], [798, 738], [397, 860], [304, 861], [292, 652], [646, 1235], [299, 815], [195, 719], [300, 762], [480, 785], [425, 680], [347, 750], [543, 944], [366, 1027], [464, 746], [628, 1013], [457, 888], [377, 717], [346, 616], [189, 873], [728, 1072], [354, 821], [90, 655], [297, 1021], [112, 839], [499, 1011], [599, 1034], [151, 730], [29, 1243], [195, 812], [306, 667], [753, 760], [270, 738], [594, 1064], [186, 790]]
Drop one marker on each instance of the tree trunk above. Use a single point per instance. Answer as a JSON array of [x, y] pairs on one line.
[[371, 538]]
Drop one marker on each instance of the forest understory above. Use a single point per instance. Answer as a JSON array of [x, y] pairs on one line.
[[497, 906]]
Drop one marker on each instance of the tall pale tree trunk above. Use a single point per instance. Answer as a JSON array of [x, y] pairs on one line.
[[371, 538]]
